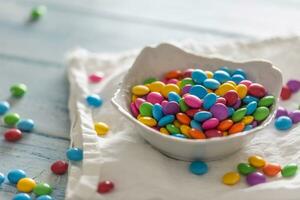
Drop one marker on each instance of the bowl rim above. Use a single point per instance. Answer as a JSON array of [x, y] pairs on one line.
[[127, 114]]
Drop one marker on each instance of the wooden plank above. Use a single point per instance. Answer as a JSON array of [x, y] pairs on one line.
[[34, 154]]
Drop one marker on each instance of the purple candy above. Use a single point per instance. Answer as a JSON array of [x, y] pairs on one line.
[[186, 89], [164, 103], [219, 111], [255, 178], [295, 116], [254, 124], [293, 85], [237, 104], [221, 100], [171, 108], [281, 112]]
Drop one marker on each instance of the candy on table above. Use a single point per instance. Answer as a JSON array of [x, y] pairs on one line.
[[42, 189], [15, 175], [210, 102], [26, 125], [96, 77], [12, 135], [26, 185], [105, 187], [4, 107], [59, 167], [2, 178], [283, 123], [255, 178], [21, 196], [38, 12], [11, 119], [44, 197], [94, 100], [101, 128], [74, 154], [198, 167], [231, 178], [18, 90], [289, 170]]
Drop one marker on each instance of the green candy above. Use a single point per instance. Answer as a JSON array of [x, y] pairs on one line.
[[245, 168], [18, 90], [239, 114], [150, 80], [266, 101], [11, 119], [261, 113], [182, 105], [186, 81], [173, 129], [42, 189], [289, 170], [146, 109], [38, 12]]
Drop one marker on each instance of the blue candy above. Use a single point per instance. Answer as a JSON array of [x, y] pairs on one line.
[[209, 100], [21, 196], [202, 116], [221, 76], [157, 112], [198, 90], [168, 119], [226, 69], [44, 197], [4, 107], [198, 167], [248, 127], [230, 111], [74, 154], [283, 123], [240, 72], [237, 78], [2, 178], [25, 125], [248, 99], [196, 125], [251, 107], [173, 96], [94, 100], [211, 84], [15, 175], [199, 76], [179, 135]]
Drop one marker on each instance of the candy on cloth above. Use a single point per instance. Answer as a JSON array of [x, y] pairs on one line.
[[11, 119], [12, 135], [94, 100], [105, 187], [15, 175], [44, 197], [96, 77], [18, 90], [255, 178], [231, 178], [271, 169], [4, 107], [101, 128], [285, 93], [59, 167], [21, 196], [281, 111], [293, 85], [245, 168], [42, 189], [256, 161], [25, 125], [74, 154], [295, 116], [283, 123], [289, 170], [26, 185], [38, 12], [2, 178], [198, 167]]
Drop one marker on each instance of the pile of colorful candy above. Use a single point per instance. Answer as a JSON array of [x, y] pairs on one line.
[[256, 171], [199, 104]]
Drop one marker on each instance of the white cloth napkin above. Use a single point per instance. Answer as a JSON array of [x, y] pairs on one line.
[[141, 172]]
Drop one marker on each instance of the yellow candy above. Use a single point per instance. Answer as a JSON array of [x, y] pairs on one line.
[[178, 83], [101, 128], [149, 121], [242, 90], [170, 88], [140, 90], [26, 185], [231, 178], [133, 98], [177, 123], [209, 74], [232, 83], [164, 131], [185, 130], [209, 90], [156, 86], [248, 119], [225, 87], [256, 161]]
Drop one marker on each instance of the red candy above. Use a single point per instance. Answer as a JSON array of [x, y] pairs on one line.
[[231, 97], [95, 78], [105, 187], [213, 133], [257, 90], [60, 167], [285, 93], [12, 135]]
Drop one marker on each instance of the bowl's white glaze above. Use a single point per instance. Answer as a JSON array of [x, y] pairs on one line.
[[155, 62]]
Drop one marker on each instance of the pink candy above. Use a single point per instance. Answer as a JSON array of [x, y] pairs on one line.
[[192, 101], [134, 110], [210, 123], [155, 97], [95, 78]]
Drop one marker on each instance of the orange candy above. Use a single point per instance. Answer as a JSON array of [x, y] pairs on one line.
[[173, 74], [225, 125], [236, 128], [183, 118], [271, 169], [196, 134]]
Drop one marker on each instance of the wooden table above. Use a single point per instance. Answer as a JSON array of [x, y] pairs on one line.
[[33, 53]]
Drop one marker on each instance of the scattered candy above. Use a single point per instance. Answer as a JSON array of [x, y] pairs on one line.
[[289, 170], [15, 175], [4, 107], [11, 119], [95, 78], [38, 12], [271, 169], [207, 103], [283, 123], [256, 161], [26, 185], [59, 167], [101, 128], [74, 154], [245, 168], [18, 90], [12, 135], [26, 125], [2, 178], [42, 189], [231, 178], [21, 196], [44, 197], [198, 167], [94, 100], [105, 187], [255, 178]]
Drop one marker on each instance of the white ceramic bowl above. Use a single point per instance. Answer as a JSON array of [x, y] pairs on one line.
[[155, 62]]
